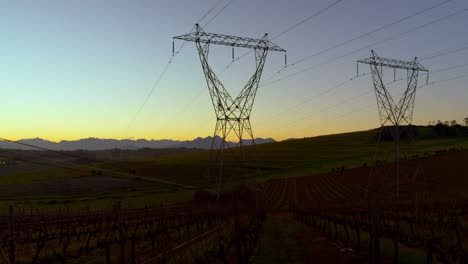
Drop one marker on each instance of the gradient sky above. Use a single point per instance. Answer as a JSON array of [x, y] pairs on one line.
[[77, 69]]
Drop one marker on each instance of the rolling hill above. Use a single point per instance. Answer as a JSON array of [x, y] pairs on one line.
[[126, 144]]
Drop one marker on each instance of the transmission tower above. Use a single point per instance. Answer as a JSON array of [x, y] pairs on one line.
[[397, 113], [232, 114]]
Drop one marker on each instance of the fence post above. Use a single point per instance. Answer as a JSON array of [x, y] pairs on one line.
[[11, 231]]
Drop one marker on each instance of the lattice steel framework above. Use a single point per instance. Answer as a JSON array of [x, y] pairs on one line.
[[400, 112], [232, 114]]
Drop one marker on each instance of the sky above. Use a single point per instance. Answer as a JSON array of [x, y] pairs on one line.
[[79, 69]]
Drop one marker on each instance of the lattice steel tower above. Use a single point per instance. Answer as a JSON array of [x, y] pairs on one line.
[[390, 111], [232, 114]]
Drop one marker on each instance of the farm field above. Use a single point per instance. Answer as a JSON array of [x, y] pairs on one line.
[[99, 184], [326, 203]]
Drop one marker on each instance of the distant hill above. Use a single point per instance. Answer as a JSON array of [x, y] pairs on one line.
[[104, 144]]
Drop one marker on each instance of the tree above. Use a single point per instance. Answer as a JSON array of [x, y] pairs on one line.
[[466, 121], [453, 123]]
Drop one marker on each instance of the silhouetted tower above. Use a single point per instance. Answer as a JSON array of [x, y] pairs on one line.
[[397, 113], [232, 114]]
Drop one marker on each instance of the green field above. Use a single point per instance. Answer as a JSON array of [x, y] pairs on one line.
[[79, 188]]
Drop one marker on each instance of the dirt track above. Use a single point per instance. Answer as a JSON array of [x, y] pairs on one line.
[[287, 241]]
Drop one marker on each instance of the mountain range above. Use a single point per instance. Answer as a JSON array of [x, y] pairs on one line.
[[104, 144]]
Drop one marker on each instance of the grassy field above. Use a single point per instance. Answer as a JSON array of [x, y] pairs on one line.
[[50, 188]]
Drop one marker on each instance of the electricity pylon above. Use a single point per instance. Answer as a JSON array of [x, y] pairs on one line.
[[390, 111], [232, 114]]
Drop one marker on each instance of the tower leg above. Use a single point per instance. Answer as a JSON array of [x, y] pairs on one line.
[[397, 160]]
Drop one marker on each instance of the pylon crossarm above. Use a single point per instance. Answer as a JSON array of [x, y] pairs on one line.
[[228, 40], [392, 63]]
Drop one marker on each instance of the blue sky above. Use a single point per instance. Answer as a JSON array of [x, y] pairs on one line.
[[76, 69]]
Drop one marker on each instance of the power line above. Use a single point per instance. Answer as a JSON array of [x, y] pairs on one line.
[[421, 88], [308, 18], [185, 42], [335, 105], [41, 148], [217, 14], [361, 36], [453, 67], [37, 156], [449, 79], [151, 90], [351, 79], [356, 110], [166, 67], [433, 72], [318, 95], [436, 56], [445, 53], [366, 34], [334, 88], [35, 162], [353, 98], [287, 30], [209, 11], [367, 47], [101, 169], [193, 100]]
